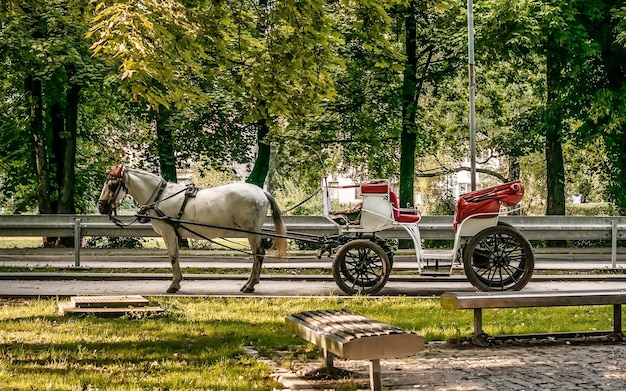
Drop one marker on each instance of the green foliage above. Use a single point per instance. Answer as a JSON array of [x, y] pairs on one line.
[[592, 209], [290, 195], [155, 46], [326, 77]]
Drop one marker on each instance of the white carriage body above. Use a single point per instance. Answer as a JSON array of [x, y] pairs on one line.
[[379, 211]]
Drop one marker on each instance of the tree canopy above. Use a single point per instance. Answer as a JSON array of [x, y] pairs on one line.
[[368, 88]]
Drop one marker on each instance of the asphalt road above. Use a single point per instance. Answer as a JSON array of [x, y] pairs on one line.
[[228, 285], [294, 280]]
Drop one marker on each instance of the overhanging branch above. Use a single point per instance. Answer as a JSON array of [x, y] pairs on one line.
[[447, 171]]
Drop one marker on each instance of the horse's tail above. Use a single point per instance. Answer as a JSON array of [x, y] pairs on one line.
[[280, 242]]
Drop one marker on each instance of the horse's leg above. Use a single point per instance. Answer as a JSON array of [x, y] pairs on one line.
[[171, 243], [257, 255]]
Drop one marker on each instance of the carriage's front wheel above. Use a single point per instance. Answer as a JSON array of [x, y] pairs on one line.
[[361, 267], [499, 258]]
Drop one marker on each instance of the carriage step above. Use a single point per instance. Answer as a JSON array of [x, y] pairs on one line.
[[434, 274], [432, 255], [436, 265]]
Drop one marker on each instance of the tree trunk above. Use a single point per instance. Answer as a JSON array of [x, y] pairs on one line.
[[64, 115], [57, 126], [515, 169], [34, 91], [67, 188], [408, 138], [262, 162], [165, 138], [555, 170], [167, 153], [613, 60]]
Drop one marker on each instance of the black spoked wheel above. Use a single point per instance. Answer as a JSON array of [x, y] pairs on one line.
[[361, 267], [499, 258]]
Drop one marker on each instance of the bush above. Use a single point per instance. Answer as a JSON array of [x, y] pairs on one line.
[[112, 242], [592, 209]]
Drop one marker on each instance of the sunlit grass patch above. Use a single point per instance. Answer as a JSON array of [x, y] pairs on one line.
[[198, 343]]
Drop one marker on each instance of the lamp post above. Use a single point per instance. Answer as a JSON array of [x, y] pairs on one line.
[[472, 88]]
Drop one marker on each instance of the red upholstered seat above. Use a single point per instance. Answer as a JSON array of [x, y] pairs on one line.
[[383, 188], [402, 217], [487, 201]]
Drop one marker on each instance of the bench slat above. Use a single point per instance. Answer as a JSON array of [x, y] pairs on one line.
[[353, 336], [347, 324]]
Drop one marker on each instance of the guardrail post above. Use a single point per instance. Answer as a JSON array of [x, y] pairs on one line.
[[77, 237], [613, 244]]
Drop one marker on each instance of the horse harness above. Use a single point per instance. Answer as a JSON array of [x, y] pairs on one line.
[[117, 175], [190, 192]]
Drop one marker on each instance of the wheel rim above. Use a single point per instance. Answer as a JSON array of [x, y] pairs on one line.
[[361, 267], [506, 261]]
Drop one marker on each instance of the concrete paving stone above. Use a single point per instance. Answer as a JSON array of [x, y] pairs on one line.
[[538, 366]]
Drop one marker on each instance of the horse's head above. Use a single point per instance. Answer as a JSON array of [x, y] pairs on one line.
[[113, 191]]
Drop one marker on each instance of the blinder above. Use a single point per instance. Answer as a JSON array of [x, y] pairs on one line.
[[115, 185]]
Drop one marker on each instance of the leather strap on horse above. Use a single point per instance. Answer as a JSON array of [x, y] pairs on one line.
[[190, 192], [144, 209]]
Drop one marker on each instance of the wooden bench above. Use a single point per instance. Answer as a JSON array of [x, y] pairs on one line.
[[350, 336], [481, 300]]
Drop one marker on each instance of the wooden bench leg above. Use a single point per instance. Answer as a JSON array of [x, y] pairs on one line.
[[329, 357], [376, 383]]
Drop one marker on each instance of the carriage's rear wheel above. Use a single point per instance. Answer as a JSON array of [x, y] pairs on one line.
[[361, 267], [499, 258]]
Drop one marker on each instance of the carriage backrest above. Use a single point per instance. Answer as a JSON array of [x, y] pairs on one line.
[[383, 188], [375, 188], [486, 202]]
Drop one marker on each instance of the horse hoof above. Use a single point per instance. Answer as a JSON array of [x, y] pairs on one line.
[[247, 289], [172, 290]]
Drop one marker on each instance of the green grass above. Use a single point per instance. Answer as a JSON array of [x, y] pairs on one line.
[[198, 343]]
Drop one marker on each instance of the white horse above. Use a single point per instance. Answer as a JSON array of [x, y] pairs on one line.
[[204, 213]]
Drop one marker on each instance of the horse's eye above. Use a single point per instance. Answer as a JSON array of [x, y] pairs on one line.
[[113, 185]]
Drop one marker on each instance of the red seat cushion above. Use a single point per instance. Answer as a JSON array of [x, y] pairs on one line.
[[408, 218], [402, 217]]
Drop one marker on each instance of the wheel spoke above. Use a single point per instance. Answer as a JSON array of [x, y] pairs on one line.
[[498, 259], [361, 266]]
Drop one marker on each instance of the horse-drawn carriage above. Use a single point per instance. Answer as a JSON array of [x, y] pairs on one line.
[[494, 255]]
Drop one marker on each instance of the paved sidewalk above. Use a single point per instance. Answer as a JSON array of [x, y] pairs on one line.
[[532, 366]]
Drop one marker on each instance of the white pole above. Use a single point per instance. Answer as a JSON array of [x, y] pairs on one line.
[[472, 88]]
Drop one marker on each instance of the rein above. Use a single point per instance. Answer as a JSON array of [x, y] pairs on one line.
[[305, 200], [177, 223]]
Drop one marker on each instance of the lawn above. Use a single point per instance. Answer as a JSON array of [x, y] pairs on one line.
[[198, 343]]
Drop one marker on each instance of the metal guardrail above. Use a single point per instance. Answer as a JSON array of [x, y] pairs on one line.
[[612, 229]]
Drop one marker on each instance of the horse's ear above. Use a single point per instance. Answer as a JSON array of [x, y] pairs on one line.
[[117, 171]]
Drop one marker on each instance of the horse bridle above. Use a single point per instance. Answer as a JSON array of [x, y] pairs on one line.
[[117, 176]]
